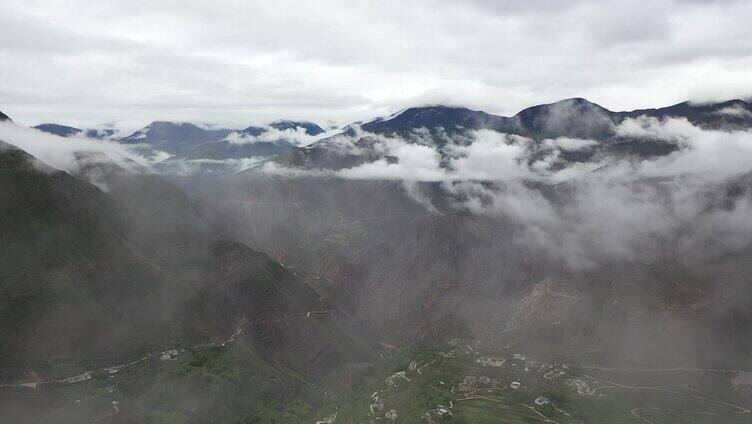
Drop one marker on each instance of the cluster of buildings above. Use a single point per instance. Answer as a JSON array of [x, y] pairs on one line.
[[78, 378], [541, 400], [169, 355], [742, 383], [480, 382], [112, 370], [377, 404], [488, 361], [581, 386], [391, 381], [432, 416]]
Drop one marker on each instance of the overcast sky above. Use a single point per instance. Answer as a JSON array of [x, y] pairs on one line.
[[234, 62]]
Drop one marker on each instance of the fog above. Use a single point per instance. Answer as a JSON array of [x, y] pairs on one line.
[[613, 207], [297, 136], [63, 152], [488, 253], [432, 236]]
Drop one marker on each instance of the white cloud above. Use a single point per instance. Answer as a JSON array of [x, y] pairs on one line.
[[82, 62], [736, 111], [492, 156], [63, 152], [712, 153], [190, 167], [571, 144], [415, 162], [293, 135], [613, 208], [481, 155]]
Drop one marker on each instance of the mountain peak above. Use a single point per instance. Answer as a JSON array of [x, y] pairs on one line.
[[253, 131], [578, 101], [577, 104], [4, 117], [309, 127], [448, 117], [575, 117]]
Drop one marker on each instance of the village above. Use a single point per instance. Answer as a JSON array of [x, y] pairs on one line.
[[486, 378]]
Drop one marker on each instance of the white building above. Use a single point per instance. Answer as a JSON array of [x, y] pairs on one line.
[[541, 400]]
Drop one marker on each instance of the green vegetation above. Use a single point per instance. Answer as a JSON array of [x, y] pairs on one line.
[[459, 384], [274, 412], [167, 417]]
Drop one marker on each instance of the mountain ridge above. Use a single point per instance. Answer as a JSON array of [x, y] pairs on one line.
[[574, 118], [91, 274], [524, 121]]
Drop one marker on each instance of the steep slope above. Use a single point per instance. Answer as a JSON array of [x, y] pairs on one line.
[[416, 273], [4, 117], [291, 321], [82, 279], [94, 277]]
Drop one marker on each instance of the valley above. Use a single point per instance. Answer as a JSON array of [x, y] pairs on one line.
[[464, 382], [338, 212], [302, 290]]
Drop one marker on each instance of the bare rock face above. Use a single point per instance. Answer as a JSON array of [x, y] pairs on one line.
[[544, 305]]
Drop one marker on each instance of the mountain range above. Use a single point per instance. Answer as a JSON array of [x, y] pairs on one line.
[[203, 149], [66, 131], [572, 118], [292, 276], [576, 118]]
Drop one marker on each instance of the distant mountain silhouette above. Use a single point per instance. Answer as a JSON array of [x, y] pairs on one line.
[[57, 129], [575, 118]]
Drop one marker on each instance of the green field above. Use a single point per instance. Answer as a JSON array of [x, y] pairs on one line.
[[460, 383]]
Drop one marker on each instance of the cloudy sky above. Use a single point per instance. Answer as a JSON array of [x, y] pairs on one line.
[[87, 62]]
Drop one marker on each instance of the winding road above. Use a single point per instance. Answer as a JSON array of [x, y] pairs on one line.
[[635, 411], [115, 411]]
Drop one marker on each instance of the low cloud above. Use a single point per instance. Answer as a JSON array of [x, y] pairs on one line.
[[714, 154], [415, 162], [736, 111], [602, 210], [296, 135], [64, 153], [571, 144], [220, 167], [479, 155]]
